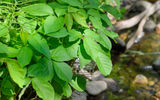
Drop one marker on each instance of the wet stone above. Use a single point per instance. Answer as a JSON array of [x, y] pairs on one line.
[[156, 64], [96, 87], [146, 68], [144, 96], [149, 26], [158, 94], [76, 95], [112, 84], [97, 76], [140, 80]]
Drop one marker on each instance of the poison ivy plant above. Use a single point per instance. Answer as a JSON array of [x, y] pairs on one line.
[[39, 39]]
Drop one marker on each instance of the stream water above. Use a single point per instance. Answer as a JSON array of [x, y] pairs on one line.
[[134, 71]]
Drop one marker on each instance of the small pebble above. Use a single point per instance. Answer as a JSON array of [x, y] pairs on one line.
[[140, 79]]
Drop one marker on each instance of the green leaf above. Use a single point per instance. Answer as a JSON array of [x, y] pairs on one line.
[[112, 10], [28, 25], [118, 3], [3, 48], [94, 13], [106, 19], [80, 19], [98, 55], [75, 3], [84, 58], [83, 13], [110, 34], [63, 87], [96, 22], [58, 90], [67, 90], [43, 89], [56, 5], [3, 30], [101, 38], [60, 11], [43, 69], [91, 47], [53, 24], [92, 4], [68, 21], [40, 44], [105, 41], [7, 87], [38, 10], [74, 35], [16, 72], [12, 52], [25, 55], [78, 83], [24, 36], [61, 33], [104, 64], [72, 9], [63, 71], [62, 53]]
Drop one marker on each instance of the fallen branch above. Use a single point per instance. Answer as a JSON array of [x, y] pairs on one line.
[[124, 24], [142, 18], [139, 33]]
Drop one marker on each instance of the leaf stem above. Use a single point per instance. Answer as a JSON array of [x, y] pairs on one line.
[[23, 90]]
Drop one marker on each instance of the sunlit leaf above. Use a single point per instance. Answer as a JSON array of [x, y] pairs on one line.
[[40, 44], [16, 72], [38, 10], [63, 71], [25, 55], [43, 89], [53, 24]]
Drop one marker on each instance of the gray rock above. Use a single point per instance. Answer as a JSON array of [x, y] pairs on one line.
[[156, 64], [76, 95], [144, 96], [147, 68], [97, 76], [112, 84], [158, 94], [96, 87], [158, 15], [91, 66], [140, 80], [149, 26]]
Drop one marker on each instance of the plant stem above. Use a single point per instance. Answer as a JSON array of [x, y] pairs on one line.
[[23, 90]]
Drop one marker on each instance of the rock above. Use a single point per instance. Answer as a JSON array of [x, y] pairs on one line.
[[97, 76], [140, 80], [158, 28], [146, 68], [156, 64], [144, 96], [76, 95], [158, 15], [112, 84], [130, 98], [101, 96], [158, 94], [95, 87], [85, 73], [91, 66], [151, 83], [76, 64], [149, 26]]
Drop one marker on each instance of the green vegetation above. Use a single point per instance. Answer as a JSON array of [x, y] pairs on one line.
[[39, 38]]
